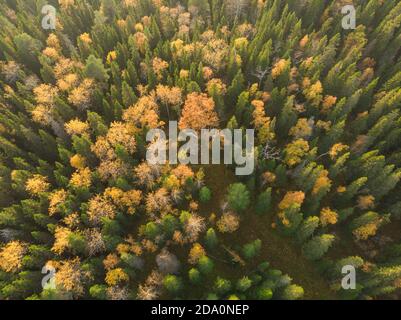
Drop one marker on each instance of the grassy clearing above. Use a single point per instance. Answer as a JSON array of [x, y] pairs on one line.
[[279, 251]]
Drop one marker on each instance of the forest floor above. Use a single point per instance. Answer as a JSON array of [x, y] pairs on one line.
[[278, 250]]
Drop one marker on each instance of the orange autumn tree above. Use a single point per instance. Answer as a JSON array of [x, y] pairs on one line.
[[279, 67], [322, 183], [167, 95], [228, 223], [198, 112], [328, 216], [56, 199], [290, 198], [81, 178], [116, 276], [124, 199], [11, 256], [80, 96], [77, 127], [61, 242], [196, 252], [366, 202], [144, 113], [294, 152], [37, 184], [302, 129], [70, 277], [289, 217], [262, 122], [100, 207]]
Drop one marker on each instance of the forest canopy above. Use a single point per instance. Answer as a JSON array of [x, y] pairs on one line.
[[78, 198]]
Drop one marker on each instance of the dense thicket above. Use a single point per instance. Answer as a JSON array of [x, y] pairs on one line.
[[77, 194]]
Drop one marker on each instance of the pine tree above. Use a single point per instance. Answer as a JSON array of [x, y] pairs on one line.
[[95, 69], [263, 203], [315, 248], [238, 197]]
